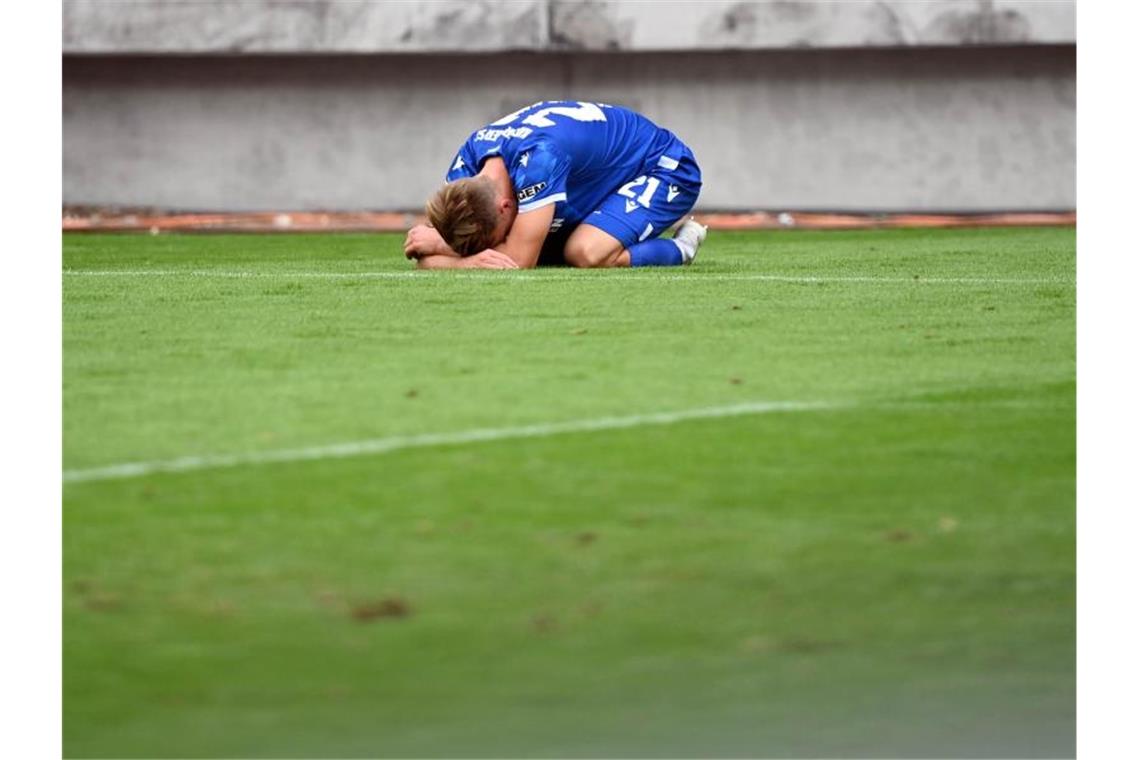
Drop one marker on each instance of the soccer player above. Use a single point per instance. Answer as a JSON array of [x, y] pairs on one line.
[[563, 182]]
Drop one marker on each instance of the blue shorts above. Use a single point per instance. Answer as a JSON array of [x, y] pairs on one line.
[[651, 203]]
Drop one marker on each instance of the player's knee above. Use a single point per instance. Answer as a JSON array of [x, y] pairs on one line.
[[577, 254], [587, 253]]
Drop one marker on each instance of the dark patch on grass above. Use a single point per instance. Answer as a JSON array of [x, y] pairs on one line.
[[411, 393], [544, 623], [898, 535], [586, 537], [103, 601], [735, 381], [389, 608], [591, 608], [95, 598]]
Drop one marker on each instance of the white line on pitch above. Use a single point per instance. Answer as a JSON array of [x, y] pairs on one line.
[[557, 277], [400, 442]]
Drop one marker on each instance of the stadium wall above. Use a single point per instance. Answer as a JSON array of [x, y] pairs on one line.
[[256, 106]]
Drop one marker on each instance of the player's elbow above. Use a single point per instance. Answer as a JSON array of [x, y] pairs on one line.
[[524, 258]]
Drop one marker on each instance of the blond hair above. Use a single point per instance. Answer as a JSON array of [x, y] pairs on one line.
[[464, 214]]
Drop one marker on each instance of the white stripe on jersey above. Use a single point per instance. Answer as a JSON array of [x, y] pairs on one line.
[[525, 207]]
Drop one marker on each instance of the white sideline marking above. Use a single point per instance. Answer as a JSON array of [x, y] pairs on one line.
[[553, 277], [400, 442]]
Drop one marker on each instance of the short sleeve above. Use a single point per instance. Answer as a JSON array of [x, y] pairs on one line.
[[463, 165], [539, 176]]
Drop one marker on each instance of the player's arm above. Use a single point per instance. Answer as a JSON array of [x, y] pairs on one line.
[[524, 241], [423, 240], [488, 259], [425, 245]]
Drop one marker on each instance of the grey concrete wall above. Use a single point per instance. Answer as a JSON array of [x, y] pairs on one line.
[[447, 26], [966, 128]]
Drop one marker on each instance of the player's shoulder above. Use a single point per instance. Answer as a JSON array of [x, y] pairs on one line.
[[537, 154], [535, 167]]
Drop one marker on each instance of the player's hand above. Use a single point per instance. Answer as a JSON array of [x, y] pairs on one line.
[[488, 259], [425, 241]]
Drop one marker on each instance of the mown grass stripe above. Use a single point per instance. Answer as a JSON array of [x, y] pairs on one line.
[[559, 277], [400, 442]]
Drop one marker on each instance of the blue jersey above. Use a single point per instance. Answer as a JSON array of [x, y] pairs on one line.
[[570, 153]]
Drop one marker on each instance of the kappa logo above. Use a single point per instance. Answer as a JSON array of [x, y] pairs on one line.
[[674, 191], [529, 192], [458, 163], [524, 159]]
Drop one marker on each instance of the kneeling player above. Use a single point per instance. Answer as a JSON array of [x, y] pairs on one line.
[[563, 182]]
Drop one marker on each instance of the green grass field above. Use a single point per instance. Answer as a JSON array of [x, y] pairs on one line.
[[889, 573]]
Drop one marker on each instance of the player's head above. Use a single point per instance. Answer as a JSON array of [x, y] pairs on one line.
[[470, 215]]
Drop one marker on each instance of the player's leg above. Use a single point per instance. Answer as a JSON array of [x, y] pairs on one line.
[[592, 247], [625, 229], [668, 193], [622, 233]]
